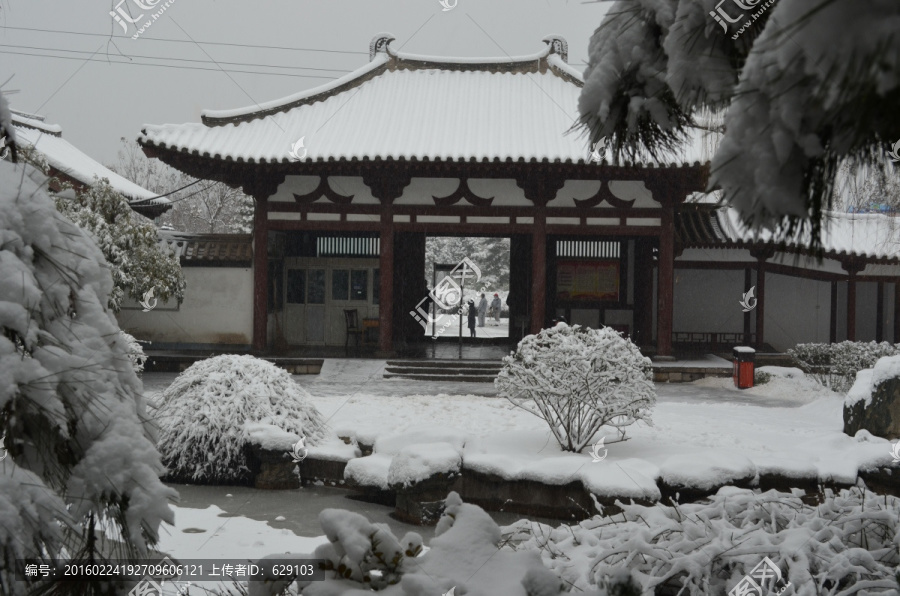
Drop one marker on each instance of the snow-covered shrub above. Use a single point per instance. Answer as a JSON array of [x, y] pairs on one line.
[[135, 352], [203, 416], [835, 365], [129, 242], [579, 379], [847, 544], [80, 448]]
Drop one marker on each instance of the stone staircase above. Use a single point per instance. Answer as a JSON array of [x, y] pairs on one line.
[[474, 371]]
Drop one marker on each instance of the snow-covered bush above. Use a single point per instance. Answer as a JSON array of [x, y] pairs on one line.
[[80, 448], [135, 352], [203, 416], [835, 365], [579, 379], [129, 243], [847, 544]]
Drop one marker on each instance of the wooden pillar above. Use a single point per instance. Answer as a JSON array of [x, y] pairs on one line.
[[748, 282], [538, 273], [851, 307], [540, 187], [260, 275], [897, 312], [386, 280], [852, 267], [832, 334], [761, 255], [665, 280], [386, 185], [643, 291], [879, 313]]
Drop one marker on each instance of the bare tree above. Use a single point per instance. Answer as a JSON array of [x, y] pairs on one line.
[[201, 207]]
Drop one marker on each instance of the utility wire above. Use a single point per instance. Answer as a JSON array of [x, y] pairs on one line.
[[213, 43], [271, 74], [3, 45]]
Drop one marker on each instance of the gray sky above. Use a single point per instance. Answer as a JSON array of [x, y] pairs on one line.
[[111, 96]]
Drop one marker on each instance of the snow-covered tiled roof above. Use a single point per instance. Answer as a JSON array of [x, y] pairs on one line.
[[208, 250], [864, 235], [404, 106], [64, 157]]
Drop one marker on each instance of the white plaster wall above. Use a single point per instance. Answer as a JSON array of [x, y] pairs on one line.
[[217, 309], [797, 310], [707, 300]]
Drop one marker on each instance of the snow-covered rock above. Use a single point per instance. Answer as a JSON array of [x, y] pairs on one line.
[[873, 402], [415, 463]]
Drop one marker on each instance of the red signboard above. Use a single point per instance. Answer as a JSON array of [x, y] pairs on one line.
[[587, 281]]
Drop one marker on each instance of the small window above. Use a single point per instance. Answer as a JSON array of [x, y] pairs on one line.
[[296, 286], [376, 285], [340, 284], [359, 285], [316, 286]]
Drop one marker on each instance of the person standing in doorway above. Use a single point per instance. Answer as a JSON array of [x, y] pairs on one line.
[[496, 306], [471, 315], [482, 310]]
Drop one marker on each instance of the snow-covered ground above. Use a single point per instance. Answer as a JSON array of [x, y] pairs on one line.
[[703, 431]]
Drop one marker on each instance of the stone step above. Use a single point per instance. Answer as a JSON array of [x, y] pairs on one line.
[[434, 370], [446, 363], [442, 377]]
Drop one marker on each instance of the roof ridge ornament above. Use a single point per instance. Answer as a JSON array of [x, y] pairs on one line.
[[379, 43], [558, 45]]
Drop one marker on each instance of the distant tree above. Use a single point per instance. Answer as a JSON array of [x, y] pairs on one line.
[[204, 207], [795, 107], [491, 255]]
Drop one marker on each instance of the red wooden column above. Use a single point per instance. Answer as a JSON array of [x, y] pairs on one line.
[[665, 280], [761, 255], [386, 297], [386, 185], [832, 322], [852, 267], [879, 314], [896, 312], [538, 272], [540, 187], [260, 275]]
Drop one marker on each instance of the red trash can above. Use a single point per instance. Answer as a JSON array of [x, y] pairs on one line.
[[744, 360]]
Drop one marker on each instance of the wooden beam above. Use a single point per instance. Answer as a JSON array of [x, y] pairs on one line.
[[879, 313]]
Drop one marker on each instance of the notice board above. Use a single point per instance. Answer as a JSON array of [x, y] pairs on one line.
[[587, 281]]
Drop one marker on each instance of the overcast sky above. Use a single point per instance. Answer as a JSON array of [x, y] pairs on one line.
[[72, 63]]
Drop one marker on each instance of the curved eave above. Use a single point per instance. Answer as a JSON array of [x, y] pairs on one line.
[[792, 249]]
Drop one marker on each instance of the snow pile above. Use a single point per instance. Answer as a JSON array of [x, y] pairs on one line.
[[269, 436], [578, 380], [787, 384], [716, 469], [465, 553], [71, 408], [415, 463], [846, 543], [203, 413], [867, 381]]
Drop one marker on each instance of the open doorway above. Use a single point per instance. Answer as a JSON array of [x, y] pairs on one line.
[[464, 272]]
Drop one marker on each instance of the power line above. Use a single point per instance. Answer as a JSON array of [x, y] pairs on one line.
[[271, 74], [213, 43], [3, 45]]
